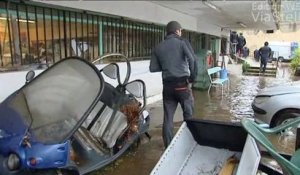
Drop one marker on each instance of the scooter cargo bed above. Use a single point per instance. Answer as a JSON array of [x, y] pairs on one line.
[[206, 160], [204, 147]]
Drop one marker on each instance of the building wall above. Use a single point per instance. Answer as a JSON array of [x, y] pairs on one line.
[[138, 10], [211, 29], [255, 41], [144, 11], [37, 32], [11, 81], [56, 21]]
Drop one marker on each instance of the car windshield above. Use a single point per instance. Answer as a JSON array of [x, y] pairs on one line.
[[58, 99]]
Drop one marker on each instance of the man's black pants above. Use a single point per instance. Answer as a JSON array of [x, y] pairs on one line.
[[174, 93], [263, 64]]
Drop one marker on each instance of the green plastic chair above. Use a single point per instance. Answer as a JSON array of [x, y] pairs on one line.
[[290, 124], [292, 167]]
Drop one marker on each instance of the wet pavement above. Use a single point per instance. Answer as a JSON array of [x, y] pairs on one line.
[[233, 105]]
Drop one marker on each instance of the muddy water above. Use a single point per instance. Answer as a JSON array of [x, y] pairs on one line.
[[233, 105]]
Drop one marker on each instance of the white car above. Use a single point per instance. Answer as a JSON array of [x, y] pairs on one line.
[[276, 104]]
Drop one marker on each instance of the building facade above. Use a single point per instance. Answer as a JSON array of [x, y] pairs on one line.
[[33, 32], [255, 40]]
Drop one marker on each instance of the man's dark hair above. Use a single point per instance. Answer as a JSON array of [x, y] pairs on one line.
[[266, 43], [172, 26]]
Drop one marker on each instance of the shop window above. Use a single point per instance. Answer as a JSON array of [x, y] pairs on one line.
[[35, 34]]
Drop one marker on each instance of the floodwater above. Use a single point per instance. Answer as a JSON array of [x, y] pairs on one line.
[[232, 106], [235, 103]]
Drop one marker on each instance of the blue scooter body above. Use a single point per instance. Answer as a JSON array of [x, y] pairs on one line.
[[33, 146], [47, 141]]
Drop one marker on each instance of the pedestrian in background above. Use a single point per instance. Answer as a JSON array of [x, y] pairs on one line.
[[234, 42], [265, 54], [241, 43], [174, 59], [256, 55]]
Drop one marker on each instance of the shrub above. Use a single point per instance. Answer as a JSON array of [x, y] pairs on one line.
[[245, 66], [295, 60]]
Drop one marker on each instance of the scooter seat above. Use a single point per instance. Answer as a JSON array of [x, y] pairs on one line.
[[108, 128], [89, 142]]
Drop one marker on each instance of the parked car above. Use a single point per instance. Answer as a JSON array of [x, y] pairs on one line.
[[275, 104], [282, 50]]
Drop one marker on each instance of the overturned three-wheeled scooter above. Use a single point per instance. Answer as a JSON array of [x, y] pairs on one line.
[[68, 120]]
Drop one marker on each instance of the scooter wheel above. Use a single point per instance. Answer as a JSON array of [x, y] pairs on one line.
[[13, 162]]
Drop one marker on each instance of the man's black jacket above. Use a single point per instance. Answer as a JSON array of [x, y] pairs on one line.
[[173, 58]]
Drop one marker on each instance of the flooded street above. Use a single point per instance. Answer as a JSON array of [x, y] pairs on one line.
[[236, 103], [233, 105]]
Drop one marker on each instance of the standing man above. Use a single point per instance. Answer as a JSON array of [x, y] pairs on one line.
[[234, 42], [174, 59], [241, 43], [265, 54]]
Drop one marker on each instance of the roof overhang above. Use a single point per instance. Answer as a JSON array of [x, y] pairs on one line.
[[214, 17], [227, 15]]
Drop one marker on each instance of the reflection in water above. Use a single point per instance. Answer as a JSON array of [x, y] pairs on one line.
[[262, 83], [234, 104], [237, 101], [284, 143], [241, 96]]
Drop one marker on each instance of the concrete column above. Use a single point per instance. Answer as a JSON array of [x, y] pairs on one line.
[[202, 80], [218, 48], [100, 38], [15, 42]]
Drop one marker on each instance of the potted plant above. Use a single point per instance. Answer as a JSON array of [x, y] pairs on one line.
[[245, 66], [295, 63]]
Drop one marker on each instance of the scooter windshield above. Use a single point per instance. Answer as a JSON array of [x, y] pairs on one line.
[[56, 102]]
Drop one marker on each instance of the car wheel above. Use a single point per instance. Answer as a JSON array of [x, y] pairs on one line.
[[283, 117]]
